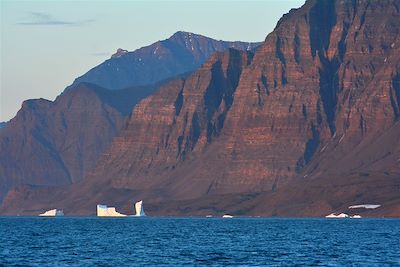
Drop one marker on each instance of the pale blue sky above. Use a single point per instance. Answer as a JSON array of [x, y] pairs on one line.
[[46, 44]]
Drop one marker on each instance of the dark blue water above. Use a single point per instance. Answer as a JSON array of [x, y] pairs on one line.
[[198, 241]]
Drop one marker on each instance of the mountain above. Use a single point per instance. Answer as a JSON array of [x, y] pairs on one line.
[[156, 117], [306, 126], [182, 52], [56, 143]]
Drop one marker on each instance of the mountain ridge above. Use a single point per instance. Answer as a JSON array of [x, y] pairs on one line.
[[180, 53]]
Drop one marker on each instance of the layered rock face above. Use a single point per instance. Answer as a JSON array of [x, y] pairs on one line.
[[182, 52], [363, 54], [324, 76], [56, 143], [327, 71], [307, 125], [183, 118]]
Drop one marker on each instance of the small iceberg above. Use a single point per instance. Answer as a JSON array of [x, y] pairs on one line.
[[139, 209], [335, 215], [52, 213], [104, 211], [343, 215], [365, 206], [227, 216]]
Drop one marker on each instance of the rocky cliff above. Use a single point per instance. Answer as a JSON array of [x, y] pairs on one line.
[[182, 52], [306, 126], [56, 143], [313, 82]]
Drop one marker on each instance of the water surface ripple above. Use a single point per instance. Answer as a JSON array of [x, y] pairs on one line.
[[91, 241]]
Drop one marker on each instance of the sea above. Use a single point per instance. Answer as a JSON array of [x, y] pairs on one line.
[[151, 241]]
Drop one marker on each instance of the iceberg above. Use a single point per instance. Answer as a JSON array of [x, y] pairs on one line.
[[52, 213], [104, 211], [139, 208], [227, 216], [334, 215], [343, 215]]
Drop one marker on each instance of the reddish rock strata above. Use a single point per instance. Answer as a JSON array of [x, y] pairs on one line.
[[307, 126]]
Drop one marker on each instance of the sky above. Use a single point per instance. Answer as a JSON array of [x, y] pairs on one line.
[[45, 45]]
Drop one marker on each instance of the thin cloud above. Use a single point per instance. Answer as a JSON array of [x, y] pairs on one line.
[[44, 19]]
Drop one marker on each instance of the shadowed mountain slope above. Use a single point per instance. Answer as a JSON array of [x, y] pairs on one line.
[[56, 143]]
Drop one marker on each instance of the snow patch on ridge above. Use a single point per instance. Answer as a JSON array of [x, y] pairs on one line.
[[365, 206]]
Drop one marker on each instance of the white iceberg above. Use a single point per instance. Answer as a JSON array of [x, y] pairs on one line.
[[139, 209], [356, 216], [335, 215], [52, 213], [227, 216], [104, 211], [365, 206]]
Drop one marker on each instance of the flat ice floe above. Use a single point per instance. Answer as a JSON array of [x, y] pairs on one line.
[[335, 215], [365, 206], [343, 215]]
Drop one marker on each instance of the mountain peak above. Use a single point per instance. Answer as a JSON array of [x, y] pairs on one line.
[[183, 33], [120, 52], [186, 36]]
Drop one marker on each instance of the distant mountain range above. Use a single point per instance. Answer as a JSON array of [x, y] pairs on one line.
[[57, 143], [305, 125], [182, 52]]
